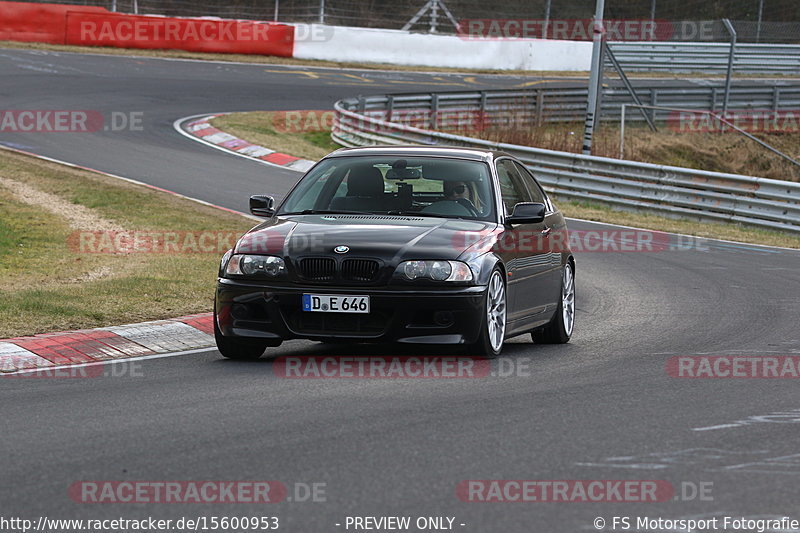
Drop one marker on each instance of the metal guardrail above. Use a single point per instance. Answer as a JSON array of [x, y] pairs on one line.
[[668, 190], [707, 57], [544, 104]]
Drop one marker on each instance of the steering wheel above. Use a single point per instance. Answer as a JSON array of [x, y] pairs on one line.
[[467, 203]]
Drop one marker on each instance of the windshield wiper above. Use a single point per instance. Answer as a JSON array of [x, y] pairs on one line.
[[419, 214], [325, 212]]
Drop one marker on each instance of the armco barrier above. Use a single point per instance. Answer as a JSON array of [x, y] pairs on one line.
[[707, 57], [95, 26], [662, 189], [558, 104]]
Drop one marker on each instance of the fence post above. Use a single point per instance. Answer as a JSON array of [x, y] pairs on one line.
[[594, 78], [434, 121], [622, 132], [539, 107], [389, 107], [732, 31], [546, 18], [653, 102]]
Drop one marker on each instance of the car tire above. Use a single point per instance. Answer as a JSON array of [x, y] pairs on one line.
[[560, 328], [490, 341], [247, 350]]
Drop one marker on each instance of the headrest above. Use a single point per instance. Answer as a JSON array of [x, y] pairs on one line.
[[365, 180]]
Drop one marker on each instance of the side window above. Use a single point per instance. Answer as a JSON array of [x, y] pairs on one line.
[[536, 192], [512, 188]]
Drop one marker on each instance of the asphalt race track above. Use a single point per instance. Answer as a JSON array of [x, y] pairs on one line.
[[600, 408]]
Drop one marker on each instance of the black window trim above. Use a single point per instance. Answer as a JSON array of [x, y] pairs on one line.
[[547, 202], [513, 161]]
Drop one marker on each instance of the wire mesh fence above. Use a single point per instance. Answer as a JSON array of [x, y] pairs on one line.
[[769, 21]]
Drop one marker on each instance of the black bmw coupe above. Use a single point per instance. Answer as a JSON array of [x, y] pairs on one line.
[[401, 244]]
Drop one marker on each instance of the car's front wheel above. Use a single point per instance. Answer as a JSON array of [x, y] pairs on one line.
[[493, 331], [237, 348], [559, 330]]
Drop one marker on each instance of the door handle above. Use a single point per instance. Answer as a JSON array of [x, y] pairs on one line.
[[546, 231]]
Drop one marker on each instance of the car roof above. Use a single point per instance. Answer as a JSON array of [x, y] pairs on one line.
[[456, 152]]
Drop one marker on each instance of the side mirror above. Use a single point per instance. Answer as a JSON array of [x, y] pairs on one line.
[[527, 213], [262, 206]]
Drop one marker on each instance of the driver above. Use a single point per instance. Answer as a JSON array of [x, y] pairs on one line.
[[455, 190]]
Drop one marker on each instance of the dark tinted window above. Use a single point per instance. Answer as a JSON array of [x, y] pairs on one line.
[[537, 194], [512, 188]]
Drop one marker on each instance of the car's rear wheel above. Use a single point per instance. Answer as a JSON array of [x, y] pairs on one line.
[[237, 348], [493, 331], [559, 330]]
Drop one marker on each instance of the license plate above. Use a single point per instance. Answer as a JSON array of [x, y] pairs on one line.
[[338, 303]]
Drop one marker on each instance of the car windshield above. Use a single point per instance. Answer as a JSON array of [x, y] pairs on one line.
[[419, 186]]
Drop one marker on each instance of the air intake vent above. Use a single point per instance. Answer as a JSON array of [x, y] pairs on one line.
[[360, 269], [370, 217], [317, 268]]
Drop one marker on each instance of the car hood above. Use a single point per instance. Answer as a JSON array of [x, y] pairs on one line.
[[389, 238]]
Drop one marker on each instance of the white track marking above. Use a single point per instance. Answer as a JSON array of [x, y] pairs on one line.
[[177, 126], [110, 361], [721, 426]]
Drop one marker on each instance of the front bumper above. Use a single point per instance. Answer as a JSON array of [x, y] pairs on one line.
[[430, 315]]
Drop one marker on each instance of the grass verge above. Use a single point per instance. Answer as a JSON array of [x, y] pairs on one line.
[[259, 127], [51, 280], [268, 129], [722, 151]]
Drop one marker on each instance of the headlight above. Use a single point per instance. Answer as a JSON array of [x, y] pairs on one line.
[[435, 270], [224, 261], [255, 265], [413, 269]]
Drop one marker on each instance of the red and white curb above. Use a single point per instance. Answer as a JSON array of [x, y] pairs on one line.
[[199, 128], [109, 343]]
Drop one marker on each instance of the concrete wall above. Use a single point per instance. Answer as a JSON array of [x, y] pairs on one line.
[[338, 43]]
